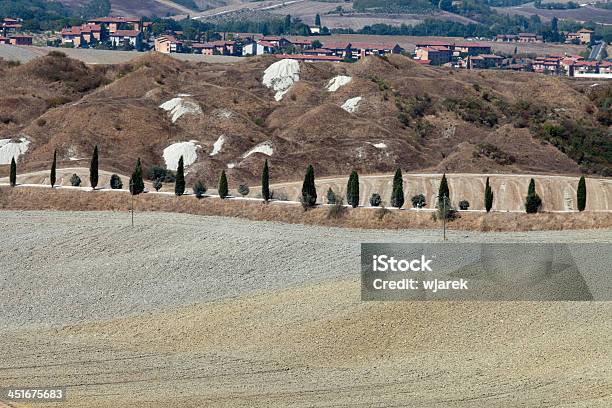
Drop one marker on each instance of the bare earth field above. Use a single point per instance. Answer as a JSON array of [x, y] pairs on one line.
[[586, 13], [189, 311]]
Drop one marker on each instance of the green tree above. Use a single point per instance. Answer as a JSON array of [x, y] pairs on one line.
[[199, 189], [136, 181], [443, 191], [13, 173], [331, 196], [397, 192], [179, 186], [533, 202], [93, 169], [309, 190], [265, 182], [318, 20], [581, 194], [352, 189], [53, 175], [488, 196], [223, 188], [287, 24]]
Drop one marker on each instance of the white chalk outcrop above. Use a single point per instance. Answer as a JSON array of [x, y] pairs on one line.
[[177, 107], [379, 145], [10, 148], [172, 154], [352, 104], [264, 148], [217, 146], [336, 82], [281, 75]]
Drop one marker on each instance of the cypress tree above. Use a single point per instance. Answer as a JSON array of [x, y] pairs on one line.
[[533, 202], [13, 173], [397, 193], [352, 189], [223, 189], [265, 182], [318, 20], [93, 169], [488, 196], [136, 181], [179, 186], [581, 194], [53, 169], [443, 191], [309, 190]]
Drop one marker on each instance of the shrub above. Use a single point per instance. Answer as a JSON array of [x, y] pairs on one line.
[[75, 180], [160, 173], [397, 193], [418, 201], [352, 190], [115, 182], [243, 190], [157, 184], [199, 189], [382, 212], [533, 202], [309, 189], [445, 209], [464, 205], [494, 153], [136, 181], [375, 200], [336, 210], [331, 196]]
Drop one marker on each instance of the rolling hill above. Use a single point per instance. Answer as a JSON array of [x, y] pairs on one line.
[[391, 113]]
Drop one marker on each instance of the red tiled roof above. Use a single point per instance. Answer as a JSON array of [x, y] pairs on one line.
[[125, 33], [266, 44], [424, 62], [115, 20], [432, 43], [20, 36], [472, 45], [303, 57]]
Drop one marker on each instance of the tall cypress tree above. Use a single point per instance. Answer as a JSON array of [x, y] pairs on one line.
[[136, 181], [223, 188], [13, 173], [179, 186], [318, 20], [531, 189], [53, 169], [488, 196], [443, 191], [309, 190], [265, 182], [533, 202], [581, 194], [352, 189], [397, 193], [93, 169]]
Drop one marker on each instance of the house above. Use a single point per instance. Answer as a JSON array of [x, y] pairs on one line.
[[318, 51], [79, 36], [126, 38], [530, 38], [548, 65], [116, 23], [465, 49], [310, 58], [357, 50], [302, 44], [507, 38], [277, 42], [583, 36], [9, 25], [258, 48], [20, 39], [220, 47], [4, 40], [436, 55], [484, 61], [315, 29], [167, 44]]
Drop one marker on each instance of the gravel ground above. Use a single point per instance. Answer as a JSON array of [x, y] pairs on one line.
[[226, 312]]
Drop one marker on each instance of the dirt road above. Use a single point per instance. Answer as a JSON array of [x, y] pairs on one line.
[[193, 311]]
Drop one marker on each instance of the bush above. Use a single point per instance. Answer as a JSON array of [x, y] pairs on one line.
[[464, 205], [157, 184], [375, 200], [494, 153], [445, 209], [243, 190], [223, 188], [199, 189], [336, 210], [533, 203], [418, 201], [382, 212], [160, 173], [115, 182], [75, 180]]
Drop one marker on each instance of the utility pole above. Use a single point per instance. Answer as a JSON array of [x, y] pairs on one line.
[[444, 217], [132, 208]]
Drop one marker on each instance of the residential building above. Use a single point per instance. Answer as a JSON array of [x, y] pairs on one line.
[[258, 48], [277, 42], [530, 38], [436, 55], [167, 44], [117, 23], [484, 61], [81, 36], [20, 39], [457, 49], [583, 36], [357, 50], [9, 25], [220, 47], [126, 38]]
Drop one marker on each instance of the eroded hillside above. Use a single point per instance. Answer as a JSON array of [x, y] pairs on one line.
[[373, 116]]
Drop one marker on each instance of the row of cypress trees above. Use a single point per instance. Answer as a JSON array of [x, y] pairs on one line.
[[533, 202]]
